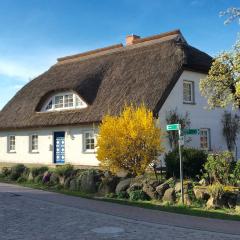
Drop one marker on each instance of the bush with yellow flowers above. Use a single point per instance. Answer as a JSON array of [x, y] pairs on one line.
[[130, 141]]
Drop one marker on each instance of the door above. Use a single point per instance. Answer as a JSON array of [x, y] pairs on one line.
[[59, 147]]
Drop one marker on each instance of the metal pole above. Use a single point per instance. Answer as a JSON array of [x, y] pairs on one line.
[[181, 167]]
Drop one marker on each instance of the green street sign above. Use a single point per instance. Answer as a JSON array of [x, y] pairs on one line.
[[191, 131], [173, 127]]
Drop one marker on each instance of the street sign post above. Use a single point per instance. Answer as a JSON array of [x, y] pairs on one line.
[[177, 127]]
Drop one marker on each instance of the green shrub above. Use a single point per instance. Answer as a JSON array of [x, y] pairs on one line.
[[38, 179], [6, 171], [64, 170], [193, 161], [122, 195], [218, 167], [22, 179], [236, 171], [36, 171], [138, 195], [17, 171]]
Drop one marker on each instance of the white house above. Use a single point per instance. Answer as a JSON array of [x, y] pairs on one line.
[[54, 118]]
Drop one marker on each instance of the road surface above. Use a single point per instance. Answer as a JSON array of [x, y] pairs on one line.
[[28, 214]]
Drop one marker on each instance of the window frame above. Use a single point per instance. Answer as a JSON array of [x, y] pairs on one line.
[[85, 150], [191, 83], [31, 150], [208, 138], [9, 144], [75, 98]]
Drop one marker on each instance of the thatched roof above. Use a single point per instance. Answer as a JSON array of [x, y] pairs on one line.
[[106, 79]]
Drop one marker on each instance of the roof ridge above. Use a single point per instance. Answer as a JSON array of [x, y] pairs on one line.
[[90, 52]]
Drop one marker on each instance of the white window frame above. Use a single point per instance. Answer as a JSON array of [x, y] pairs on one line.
[[84, 142], [31, 143], [191, 83], [9, 144], [76, 99], [207, 130]]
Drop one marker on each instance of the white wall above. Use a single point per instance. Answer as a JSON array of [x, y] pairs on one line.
[[74, 152], [200, 117]]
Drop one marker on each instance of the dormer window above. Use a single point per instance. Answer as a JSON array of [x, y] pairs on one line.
[[62, 101]]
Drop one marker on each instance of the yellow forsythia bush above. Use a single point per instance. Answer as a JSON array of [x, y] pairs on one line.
[[130, 141]]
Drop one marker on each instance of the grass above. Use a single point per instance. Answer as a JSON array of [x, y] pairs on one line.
[[225, 214]]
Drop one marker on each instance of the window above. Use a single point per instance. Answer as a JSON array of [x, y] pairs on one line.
[[67, 100], [11, 144], [90, 140], [34, 143], [188, 89], [205, 138], [58, 102]]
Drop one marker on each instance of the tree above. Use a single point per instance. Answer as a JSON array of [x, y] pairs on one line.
[[222, 84], [130, 141], [172, 116], [231, 127], [232, 14]]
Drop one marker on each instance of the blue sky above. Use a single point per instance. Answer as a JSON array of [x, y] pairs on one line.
[[33, 33]]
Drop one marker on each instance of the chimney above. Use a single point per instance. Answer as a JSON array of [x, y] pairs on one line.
[[130, 39]]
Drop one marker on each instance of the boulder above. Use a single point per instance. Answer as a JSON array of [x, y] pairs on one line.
[[201, 193], [30, 176], [169, 195], [54, 179], [87, 182], [187, 199], [67, 182], [150, 191], [73, 185], [134, 187], [108, 185], [123, 185], [46, 177], [237, 207], [229, 199], [161, 189], [213, 203]]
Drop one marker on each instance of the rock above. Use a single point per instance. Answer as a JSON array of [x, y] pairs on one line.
[[30, 176], [88, 183], [122, 174], [213, 203], [46, 177], [54, 179], [169, 195], [229, 199], [108, 185], [150, 191], [73, 185], [237, 207], [134, 187], [61, 180], [177, 187], [161, 189], [123, 185], [67, 182], [203, 182], [187, 199], [201, 193]]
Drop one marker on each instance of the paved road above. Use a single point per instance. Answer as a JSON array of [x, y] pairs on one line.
[[33, 214]]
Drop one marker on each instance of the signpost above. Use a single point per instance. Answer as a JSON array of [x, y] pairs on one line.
[[177, 127]]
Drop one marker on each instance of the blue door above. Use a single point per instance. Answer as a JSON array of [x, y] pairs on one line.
[[59, 147]]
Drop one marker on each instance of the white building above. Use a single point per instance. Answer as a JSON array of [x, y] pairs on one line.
[[54, 119]]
